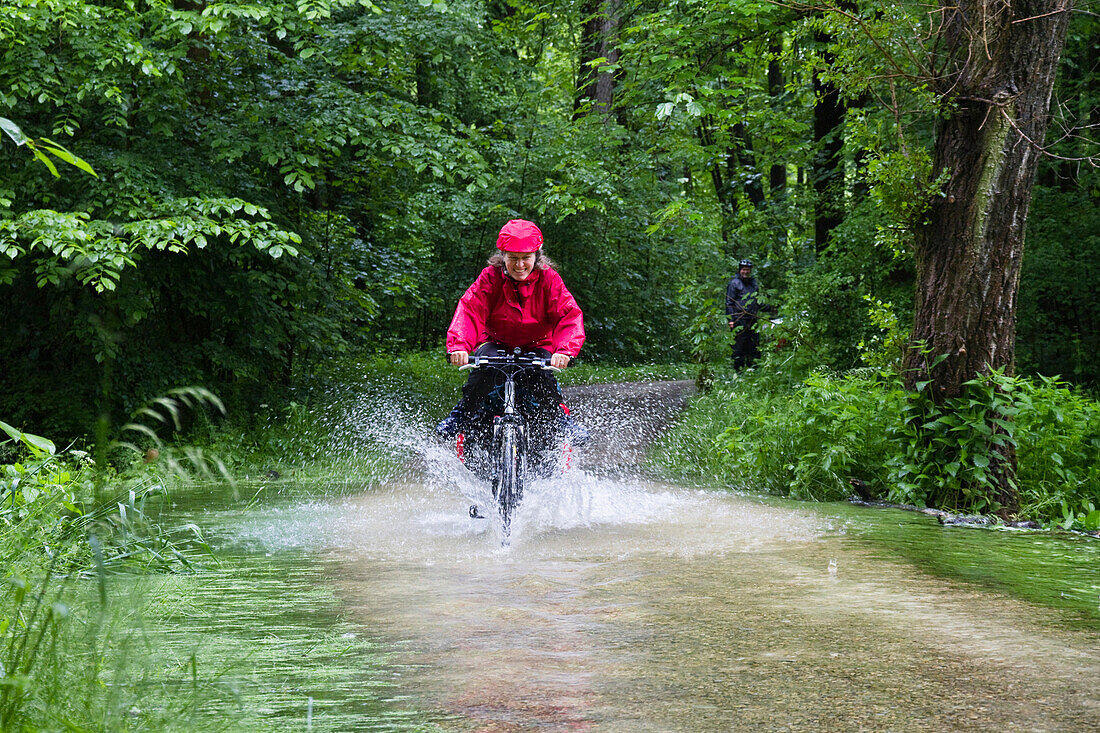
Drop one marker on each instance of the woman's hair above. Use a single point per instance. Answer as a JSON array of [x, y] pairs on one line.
[[541, 260]]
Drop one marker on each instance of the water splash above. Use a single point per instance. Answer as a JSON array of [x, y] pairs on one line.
[[418, 509]]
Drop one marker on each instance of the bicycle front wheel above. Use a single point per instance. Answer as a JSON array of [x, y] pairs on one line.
[[510, 473]]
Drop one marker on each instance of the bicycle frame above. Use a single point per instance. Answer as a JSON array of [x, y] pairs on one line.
[[509, 449]]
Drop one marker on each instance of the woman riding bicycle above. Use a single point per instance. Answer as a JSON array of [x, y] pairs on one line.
[[518, 301]]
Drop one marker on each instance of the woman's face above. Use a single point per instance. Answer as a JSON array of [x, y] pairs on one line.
[[519, 264]]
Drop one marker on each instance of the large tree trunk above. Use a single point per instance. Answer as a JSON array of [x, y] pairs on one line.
[[1000, 62], [777, 175], [828, 164]]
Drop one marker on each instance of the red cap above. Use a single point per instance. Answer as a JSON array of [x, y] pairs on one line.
[[519, 235]]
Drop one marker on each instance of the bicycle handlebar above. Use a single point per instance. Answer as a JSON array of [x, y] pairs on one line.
[[517, 360]]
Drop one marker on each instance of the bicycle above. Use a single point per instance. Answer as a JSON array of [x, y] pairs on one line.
[[505, 451]]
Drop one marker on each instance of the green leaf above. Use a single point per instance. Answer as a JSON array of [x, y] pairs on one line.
[[13, 131], [47, 162], [61, 152], [15, 434], [36, 442]]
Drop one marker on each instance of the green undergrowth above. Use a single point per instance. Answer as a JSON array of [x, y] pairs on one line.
[[825, 435], [71, 654]]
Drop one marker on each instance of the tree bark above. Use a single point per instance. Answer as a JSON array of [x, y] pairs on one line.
[[828, 165], [999, 61], [595, 85], [777, 174]]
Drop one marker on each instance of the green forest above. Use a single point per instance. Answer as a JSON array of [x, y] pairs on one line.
[[237, 197], [211, 213]]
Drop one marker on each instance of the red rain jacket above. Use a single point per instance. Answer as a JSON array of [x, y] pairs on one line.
[[536, 312]]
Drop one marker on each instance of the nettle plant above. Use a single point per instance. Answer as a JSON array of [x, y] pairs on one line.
[[950, 448], [1058, 437]]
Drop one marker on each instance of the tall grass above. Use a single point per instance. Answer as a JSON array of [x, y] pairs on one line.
[[67, 527], [78, 660]]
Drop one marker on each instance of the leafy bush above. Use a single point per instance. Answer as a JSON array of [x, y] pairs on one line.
[[811, 438], [1058, 448], [947, 452], [805, 443]]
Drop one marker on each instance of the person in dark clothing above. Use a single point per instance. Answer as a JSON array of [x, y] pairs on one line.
[[742, 312]]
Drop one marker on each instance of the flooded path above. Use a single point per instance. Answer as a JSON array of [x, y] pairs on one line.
[[703, 613], [625, 604]]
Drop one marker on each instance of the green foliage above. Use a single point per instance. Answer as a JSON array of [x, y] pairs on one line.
[[95, 252], [39, 147], [902, 188], [810, 437], [1057, 430], [580, 373], [56, 510], [950, 450], [953, 451], [1057, 332], [67, 525], [831, 294], [704, 331], [879, 49], [883, 351], [805, 442], [169, 414]]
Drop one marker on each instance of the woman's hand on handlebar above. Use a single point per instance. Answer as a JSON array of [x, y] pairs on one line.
[[560, 361], [459, 358]]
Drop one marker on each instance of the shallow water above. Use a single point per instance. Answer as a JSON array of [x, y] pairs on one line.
[[626, 604], [637, 606]]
